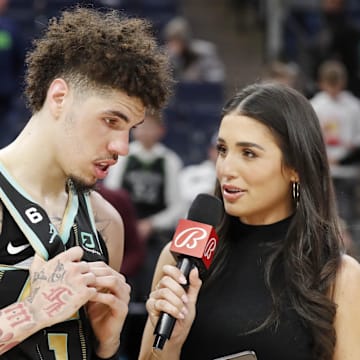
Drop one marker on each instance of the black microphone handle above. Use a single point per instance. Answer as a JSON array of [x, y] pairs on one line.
[[166, 322]]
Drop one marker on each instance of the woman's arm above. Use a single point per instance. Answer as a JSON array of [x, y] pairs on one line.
[[347, 319]]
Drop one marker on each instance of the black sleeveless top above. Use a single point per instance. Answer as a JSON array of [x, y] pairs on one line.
[[71, 339], [145, 183], [238, 301]]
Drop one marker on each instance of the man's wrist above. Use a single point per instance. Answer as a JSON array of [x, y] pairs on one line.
[[104, 352], [112, 357]]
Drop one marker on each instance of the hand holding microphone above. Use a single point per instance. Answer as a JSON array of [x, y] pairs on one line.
[[193, 244]]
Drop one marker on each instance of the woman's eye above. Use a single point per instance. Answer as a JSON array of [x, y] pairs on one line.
[[220, 149], [249, 153]]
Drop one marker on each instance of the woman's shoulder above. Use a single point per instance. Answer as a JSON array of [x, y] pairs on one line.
[[349, 268], [347, 282], [347, 319]]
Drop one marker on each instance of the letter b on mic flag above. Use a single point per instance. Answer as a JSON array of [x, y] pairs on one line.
[[196, 240]]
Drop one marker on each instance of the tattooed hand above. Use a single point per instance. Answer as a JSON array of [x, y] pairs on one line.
[[60, 286]]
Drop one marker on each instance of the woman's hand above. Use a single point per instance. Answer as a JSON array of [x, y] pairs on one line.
[[170, 296]]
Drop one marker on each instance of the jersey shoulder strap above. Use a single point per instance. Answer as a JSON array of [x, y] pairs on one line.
[[31, 218]]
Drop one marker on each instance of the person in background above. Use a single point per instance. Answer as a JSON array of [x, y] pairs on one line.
[[283, 73], [193, 60], [338, 111], [12, 60], [339, 39], [199, 178], [280, 284], [150, 174], [89, 79]]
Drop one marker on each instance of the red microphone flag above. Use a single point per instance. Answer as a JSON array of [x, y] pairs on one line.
[[196, 240]]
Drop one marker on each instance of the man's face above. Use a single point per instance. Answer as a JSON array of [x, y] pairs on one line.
[[93, 131]]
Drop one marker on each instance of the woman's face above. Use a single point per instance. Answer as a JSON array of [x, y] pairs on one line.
[[255, 185]]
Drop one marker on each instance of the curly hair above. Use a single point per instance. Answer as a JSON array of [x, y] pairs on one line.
[[104, 49]]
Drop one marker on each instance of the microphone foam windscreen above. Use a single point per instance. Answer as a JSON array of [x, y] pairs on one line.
[[206, 209]]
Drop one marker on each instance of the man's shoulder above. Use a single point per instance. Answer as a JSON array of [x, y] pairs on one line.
[[100, 205]]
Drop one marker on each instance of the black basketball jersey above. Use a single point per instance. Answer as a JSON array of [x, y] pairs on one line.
[[26, 228], [145, 183]]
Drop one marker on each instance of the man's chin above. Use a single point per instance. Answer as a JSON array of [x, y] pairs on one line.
[[82, 186]]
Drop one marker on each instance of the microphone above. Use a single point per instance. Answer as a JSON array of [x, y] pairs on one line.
[[193, 244]]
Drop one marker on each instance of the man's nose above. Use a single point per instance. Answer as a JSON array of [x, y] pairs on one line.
[[120, 144]]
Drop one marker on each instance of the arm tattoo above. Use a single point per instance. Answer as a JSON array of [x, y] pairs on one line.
[[4, 341], [17, 314]]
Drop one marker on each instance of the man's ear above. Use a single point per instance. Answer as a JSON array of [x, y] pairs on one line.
[[56, 96]]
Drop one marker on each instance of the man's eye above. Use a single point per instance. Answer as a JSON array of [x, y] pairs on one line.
[[110, 121]]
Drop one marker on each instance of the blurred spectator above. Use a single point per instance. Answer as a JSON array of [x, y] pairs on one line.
[[199, 178], [12, 55], [338, 111], [283, 73], [192, 59], [313, 35], [340, 39]]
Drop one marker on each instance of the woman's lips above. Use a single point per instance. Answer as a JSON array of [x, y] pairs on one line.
[[232, 193]]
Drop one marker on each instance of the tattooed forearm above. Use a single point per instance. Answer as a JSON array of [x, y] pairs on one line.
[[14, 316], [5, 345], [17, 314], [11, 318]]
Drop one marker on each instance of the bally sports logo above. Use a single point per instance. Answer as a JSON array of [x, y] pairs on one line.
[[195, 239]]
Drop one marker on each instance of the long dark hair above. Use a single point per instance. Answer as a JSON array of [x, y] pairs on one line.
[[310, 254]]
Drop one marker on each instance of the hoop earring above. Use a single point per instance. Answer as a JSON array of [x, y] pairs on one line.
[[296, 192]]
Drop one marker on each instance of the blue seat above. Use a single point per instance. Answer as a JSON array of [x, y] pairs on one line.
[[192, 117], [206, 96]]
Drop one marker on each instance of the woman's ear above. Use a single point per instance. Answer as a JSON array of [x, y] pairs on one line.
[[56, 96], [294, 176]]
